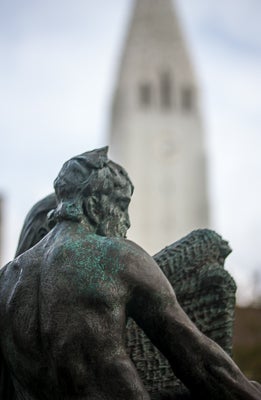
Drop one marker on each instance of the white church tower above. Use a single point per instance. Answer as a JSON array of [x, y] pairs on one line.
[[156, 129]]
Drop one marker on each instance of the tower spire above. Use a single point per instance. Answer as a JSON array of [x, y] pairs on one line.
[[156, 129]]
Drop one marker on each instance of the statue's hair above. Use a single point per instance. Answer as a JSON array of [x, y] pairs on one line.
[[88, 174]]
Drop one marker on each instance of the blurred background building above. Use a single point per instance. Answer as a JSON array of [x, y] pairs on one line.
[[156, 128], [247, 340]]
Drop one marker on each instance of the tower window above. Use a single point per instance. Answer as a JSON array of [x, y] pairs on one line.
[[145, 94], [187, 99], [165, 91]]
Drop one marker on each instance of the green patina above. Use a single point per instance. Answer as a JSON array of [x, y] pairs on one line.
[[97, 261]]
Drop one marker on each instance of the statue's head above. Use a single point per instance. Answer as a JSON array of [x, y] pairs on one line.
[[92, 187]]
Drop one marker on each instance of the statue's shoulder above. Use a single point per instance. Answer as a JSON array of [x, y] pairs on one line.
[[135, 259], [122, 247]]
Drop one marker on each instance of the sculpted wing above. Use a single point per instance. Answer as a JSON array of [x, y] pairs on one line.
[[194, 266], [36, 224]]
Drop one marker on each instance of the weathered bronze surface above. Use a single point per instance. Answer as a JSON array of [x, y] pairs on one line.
[[64, 303], [195, 267]]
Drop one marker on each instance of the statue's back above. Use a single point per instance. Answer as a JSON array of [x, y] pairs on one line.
[[63, 318]]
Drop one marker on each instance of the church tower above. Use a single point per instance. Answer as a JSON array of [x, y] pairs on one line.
[[156, 128]]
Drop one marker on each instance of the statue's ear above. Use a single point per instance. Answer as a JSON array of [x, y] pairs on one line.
[[91, 209]]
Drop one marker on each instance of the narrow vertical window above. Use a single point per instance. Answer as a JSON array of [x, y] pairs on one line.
[[166, 91], [145, 95], [187, 99]]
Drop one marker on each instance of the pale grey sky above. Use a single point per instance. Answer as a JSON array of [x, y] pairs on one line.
[[57, 69]]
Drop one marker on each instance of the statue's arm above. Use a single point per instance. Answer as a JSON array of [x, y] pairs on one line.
[[198, 361]]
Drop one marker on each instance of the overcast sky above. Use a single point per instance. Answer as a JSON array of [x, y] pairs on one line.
[[58, 64]]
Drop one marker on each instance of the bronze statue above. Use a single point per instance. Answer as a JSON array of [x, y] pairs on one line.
[[64, 304]]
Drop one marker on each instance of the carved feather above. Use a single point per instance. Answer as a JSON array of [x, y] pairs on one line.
[[194, 266]]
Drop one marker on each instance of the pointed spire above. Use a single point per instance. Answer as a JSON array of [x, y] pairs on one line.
[[156, 130], [154, 29]]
